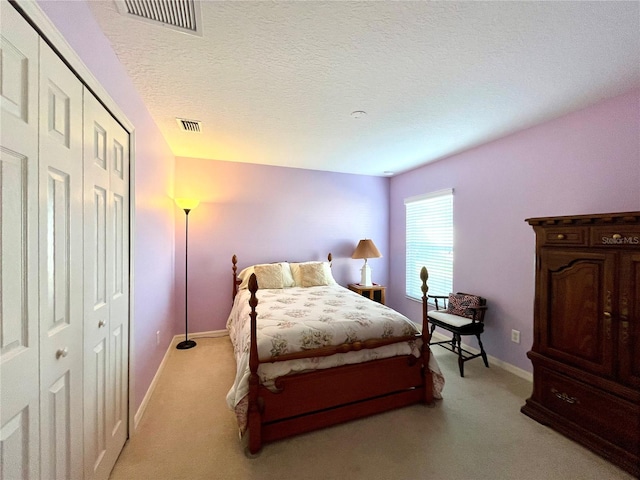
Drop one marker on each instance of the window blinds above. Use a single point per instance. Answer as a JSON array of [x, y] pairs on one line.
[[429, 231]]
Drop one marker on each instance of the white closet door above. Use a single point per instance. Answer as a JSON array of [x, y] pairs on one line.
[[106, 288], [61, 270], [19, 393]]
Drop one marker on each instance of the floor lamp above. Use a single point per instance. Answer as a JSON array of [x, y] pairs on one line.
[[187, 204]]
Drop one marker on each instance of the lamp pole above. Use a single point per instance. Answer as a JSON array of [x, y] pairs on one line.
[[186, 343]]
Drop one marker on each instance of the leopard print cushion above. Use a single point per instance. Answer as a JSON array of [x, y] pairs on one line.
[[459, 303]]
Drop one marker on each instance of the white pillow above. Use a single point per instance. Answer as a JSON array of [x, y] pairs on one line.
[[297, 276], [328, 273], [287, 278]]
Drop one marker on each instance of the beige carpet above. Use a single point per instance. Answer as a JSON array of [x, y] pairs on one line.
[[475, 432]]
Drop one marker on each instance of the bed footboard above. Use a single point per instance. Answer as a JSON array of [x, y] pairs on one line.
[[321, 398]]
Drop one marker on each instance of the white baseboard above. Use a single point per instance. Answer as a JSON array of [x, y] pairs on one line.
[[176, 339], [152, 386], [210, 333], [519, 372]]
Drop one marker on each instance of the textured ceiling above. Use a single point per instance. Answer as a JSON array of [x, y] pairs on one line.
[[275, 82]]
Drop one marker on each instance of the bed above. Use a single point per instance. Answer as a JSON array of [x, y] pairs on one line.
[[311, 353]]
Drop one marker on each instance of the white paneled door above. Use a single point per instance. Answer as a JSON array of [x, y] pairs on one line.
[[106, 288], [61, 268], [19, 360], [64, 283]]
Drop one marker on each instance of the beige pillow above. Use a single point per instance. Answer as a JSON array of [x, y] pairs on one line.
[[297, 276], [269, 276], [287, 277], [312, 275]]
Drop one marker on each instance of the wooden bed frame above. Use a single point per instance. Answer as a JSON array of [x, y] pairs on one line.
[[310, 401]]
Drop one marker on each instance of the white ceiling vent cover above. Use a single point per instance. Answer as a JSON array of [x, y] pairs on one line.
[[193, 126], [181, 15]]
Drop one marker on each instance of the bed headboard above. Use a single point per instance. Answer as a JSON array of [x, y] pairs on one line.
[[237, 281]]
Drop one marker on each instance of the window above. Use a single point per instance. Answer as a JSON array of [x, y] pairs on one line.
[[430, 242]]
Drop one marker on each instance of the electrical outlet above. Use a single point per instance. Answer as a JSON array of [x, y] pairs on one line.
[[515, 336], [158, 337]]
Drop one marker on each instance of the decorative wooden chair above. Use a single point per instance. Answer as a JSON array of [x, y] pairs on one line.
[[462, 314]]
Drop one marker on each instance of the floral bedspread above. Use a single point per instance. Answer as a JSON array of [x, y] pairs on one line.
[[298, 319]]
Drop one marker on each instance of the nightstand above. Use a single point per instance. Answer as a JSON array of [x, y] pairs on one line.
[[374, 292]]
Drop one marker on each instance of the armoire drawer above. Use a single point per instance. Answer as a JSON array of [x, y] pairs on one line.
[[619, 236], [566, 236], [608, 416]]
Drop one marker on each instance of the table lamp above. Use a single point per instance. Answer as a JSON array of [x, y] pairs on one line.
[[366, 249]]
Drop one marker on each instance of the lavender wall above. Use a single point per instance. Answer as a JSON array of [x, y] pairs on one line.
[[266, 214], [586, 162], [582, 163], [154, 171]]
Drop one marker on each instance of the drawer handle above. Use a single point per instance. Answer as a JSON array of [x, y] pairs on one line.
[[564, 397], [102, 323], [560, 236], [62, 352], [616, 236]]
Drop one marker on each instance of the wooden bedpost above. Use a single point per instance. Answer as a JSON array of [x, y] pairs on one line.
[[254, 420], [426, 338], [234, 261], [424, 276]]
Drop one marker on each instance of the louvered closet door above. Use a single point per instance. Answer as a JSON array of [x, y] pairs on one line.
[[19, 393], [106, 288], [61, 270]]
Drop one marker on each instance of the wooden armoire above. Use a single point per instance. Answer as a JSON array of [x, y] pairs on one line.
[[586, 348]]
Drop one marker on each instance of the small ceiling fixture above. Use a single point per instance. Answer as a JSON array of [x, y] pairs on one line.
[[193, 126], [359, 114]]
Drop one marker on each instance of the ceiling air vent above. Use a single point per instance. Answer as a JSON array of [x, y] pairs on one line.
[[181, 15], [193, 126]]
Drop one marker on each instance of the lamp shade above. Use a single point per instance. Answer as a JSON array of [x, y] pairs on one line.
[[187, 203], [366, 249]]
